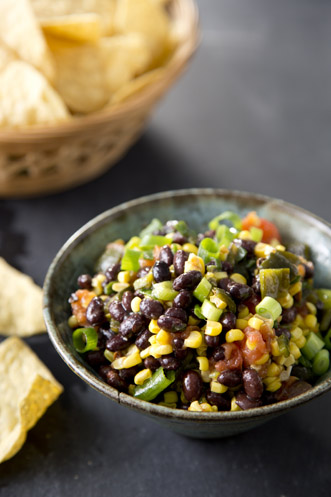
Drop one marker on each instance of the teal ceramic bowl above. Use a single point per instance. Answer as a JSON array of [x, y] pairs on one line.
[[196, 206]]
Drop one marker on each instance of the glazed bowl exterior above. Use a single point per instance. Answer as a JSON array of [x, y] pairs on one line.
[[197, 207]]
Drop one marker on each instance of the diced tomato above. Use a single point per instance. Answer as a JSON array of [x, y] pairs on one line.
[[233, 358], [253, 346], [80, 305], [270, 230]]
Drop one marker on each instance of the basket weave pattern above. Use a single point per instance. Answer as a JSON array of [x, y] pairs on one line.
[[44, 160]]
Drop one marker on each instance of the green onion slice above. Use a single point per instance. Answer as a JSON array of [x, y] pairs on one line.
[[269, 308], [312, 346], [158, 382], [149, 241], [230, 216], [153, 226], [85, 339], [321, 362]]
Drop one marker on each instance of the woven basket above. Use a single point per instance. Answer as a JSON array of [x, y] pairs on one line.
[[45, 160]]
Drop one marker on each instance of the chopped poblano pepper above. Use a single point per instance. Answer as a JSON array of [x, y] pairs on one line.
[[130, 260], [277, 260], [153, 226], [85, 339], [158, 382], [274, 281], [223, 295], [202, 290]]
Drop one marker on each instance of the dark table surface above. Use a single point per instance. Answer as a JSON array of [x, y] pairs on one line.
[[253, 112]]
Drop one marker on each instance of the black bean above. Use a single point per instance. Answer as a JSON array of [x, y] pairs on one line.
[[151, 363], [142, 339], [228, 321], [248, 245], [309, 268], [283, 331], [128, 373], [212, 341], [151, 308], [105, 331], [252, 383], [126, 300], [187, 281], [245, 402], [118, 342], [132, 324], [179, 351], [296, 388], [177, 313], [143, 272], [302, 372], [169, 362], [230, 378], [169, 323], [225, 283], [114, 380], [183, 299], [161, 272], [95, 314], [180, 258], [96, 358], [166, 255], [179, 238], [192, 385], [116, 310], [289, 315], [227, 266], [256, 285], [112, 272], [217, 399], [218, 353], [84, 281], [240, 292]]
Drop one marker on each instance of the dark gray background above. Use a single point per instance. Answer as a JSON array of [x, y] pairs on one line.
[[253, 112]]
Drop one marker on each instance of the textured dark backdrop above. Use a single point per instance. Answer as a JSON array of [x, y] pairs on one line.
[[253, 113]]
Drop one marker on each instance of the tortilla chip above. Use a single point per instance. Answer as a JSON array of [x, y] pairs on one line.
[[145, 17], [27, 389], [77, 27], [20, 303], [136, 85], [47, 9], [88, 74], [26, 98], [20, 30], [6, 56]]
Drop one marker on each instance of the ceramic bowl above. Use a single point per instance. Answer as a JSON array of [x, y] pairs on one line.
[[197, 207]]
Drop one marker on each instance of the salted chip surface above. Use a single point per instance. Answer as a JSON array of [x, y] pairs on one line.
[[88, 74], [26, 98], [20, 303], [145, 17], [78, 27], [27, 389], [20, 30], [6, 55], [136, 85], [45, 10]]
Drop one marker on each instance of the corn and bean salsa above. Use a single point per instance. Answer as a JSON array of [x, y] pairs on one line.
[[227, 319]]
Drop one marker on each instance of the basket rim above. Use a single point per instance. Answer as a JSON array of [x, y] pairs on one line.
[[151, 92]]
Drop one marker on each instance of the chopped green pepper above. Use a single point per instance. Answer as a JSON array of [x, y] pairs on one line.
[[203, 289], [274, 281], [281, 260], [130, 260], [153, 226], [158, 382]]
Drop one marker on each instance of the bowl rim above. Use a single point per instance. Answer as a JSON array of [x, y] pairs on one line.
[[96, 382]]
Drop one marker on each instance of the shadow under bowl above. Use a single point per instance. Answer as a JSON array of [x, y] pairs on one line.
[[197, 207]]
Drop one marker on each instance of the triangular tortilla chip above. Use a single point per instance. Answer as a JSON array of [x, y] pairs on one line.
[[6, 55], [77, 27]]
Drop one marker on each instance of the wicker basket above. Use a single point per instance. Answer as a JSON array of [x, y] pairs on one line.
[[54, 158]]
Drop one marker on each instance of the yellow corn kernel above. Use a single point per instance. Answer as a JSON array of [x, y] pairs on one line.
[[132, 360], [263, 249], [255, 322], [219, 275], [194, 263], [189, 247], [311, 307], [281, 248], [193, 321], [294, 350], [119, 363], [270, 379], [159, 350], [195, 407], [263, 359], [311, 321], [243, 313], [153, 326], [135, 304], [274, 386], [203, 363], [210, 276], [213, 328], [120, 287], [234, 335], [238, 278], [202, 350], [289, 361], [241, 324], [142, 376], [194, 340], [73, 322], [214, 375], [287, 301], [171, 405], [251, 344], [234, 405], [205, 375], [296, 333], [301, 342], [97, 283], [163, 338], [273, 369], [145, 353], [275, 348], [245, 235], [280, 359], [218, 301], [299, 321], [223, 252], [152, 340], [204, 407], [217, 387], [296, 288], [171, 397], [124, 277]]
